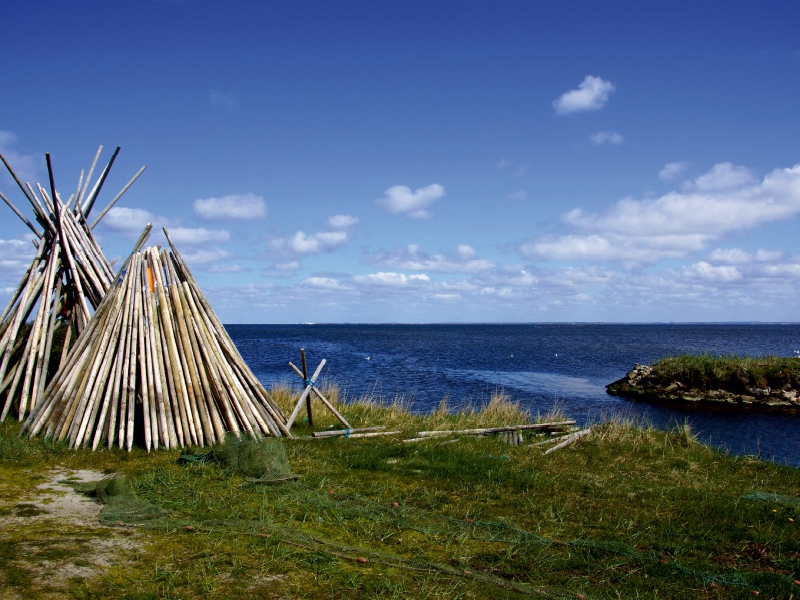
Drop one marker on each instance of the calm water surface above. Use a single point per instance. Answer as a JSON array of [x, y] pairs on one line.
[[535, 364]]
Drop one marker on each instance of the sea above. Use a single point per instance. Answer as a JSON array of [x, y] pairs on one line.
[[537, 364]]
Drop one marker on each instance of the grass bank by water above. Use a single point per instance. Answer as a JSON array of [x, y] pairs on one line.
[[764, 382], [628, 512]]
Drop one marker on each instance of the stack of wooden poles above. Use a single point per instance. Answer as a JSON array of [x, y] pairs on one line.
[[65, 282], [155, 366]]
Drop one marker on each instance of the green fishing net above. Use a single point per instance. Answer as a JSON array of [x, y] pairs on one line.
[[120, 502], [770, 497], [261, 460]]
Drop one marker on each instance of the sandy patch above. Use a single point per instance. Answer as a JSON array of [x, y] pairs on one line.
[[58, 536]]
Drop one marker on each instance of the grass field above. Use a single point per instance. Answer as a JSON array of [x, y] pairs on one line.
[[628, 512]]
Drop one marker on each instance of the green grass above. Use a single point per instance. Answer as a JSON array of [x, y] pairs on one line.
[[629, 512], [729, 371]]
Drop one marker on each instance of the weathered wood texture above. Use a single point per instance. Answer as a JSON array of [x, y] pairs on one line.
[[65, 283], [154, 367]]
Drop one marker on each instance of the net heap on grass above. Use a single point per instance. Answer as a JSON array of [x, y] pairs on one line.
[[154, 366], [65, 282]]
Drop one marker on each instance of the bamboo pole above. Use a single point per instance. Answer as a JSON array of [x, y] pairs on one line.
[[570, 440], [45, 368], [345, 432], [172, 351], [79, 199], [117, 197], [319, 395], [30, 225], [87, 207], [211, 407], [488, 430]]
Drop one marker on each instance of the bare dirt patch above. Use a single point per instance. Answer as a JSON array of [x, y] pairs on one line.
[[50, 536]]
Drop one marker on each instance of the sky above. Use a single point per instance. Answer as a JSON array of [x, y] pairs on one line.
[[426, 161]]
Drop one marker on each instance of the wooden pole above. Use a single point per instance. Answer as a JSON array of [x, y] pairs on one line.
[[87, 208], [117, 197], [36, 232], [305, 383]]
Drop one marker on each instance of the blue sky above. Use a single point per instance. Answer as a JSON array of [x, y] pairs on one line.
[[428, 162]]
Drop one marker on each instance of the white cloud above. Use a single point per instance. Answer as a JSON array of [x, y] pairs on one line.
[[392, 279], [24, 165], [519, 196], [325, 283], [204, 256], [292, 265], [226, 100], [324, 241], [704, 270], [282, 270], [303, 244], [414, 258], [723, 176], [130, 221], [592, 94], [725, 199], [343, 221], [446, 297], [184, 235], [233, 206], [400, 199], [227, 269], [606, 137], [737, 256], [673, 170], [730, 255], [15, 256]]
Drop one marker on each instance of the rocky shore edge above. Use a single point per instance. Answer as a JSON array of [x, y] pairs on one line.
[[644, 383]]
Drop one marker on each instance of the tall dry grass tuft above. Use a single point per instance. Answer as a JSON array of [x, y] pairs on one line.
[[368, 410]]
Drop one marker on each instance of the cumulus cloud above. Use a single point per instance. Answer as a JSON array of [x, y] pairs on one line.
[[204, 256], [325, 283], [316, 243], [24, 165], [736, 255], [303, 244], [342, 221], [704, 270], [392, 279], [413, 258], [606, 137], [400, 199], [282, 270], [15, 256], [129, 222], [725, 199], [201, 235], [226, 100], [722, 176], [592, 94], [673, 170], [214, 268], [233, 206]]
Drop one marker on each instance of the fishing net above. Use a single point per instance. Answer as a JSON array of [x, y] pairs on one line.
[[770, 497], [120, 503], [265, 460], [261, 460]]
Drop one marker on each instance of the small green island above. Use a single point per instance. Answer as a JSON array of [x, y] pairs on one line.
[[766, 382]]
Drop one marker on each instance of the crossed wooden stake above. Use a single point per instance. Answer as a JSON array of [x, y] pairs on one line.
[[305, 397]]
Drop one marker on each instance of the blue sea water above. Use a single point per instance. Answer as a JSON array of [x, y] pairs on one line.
[[537, 364]]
